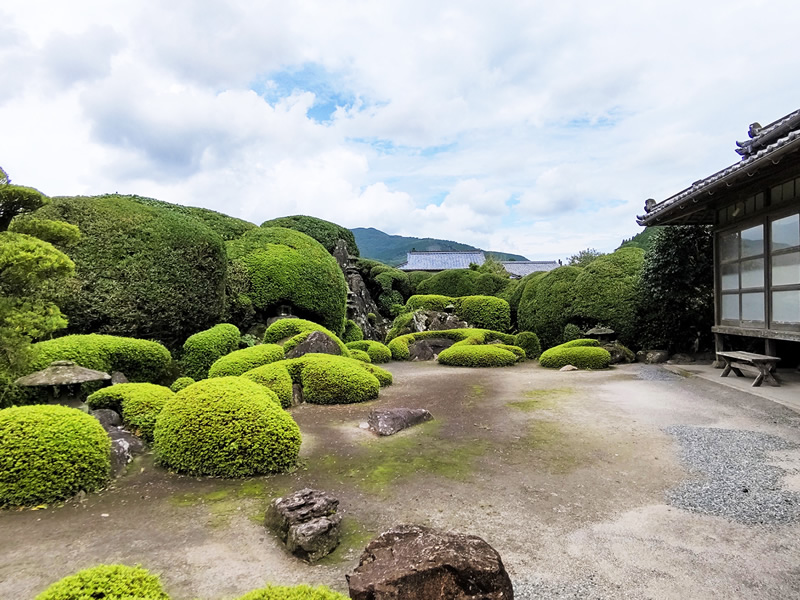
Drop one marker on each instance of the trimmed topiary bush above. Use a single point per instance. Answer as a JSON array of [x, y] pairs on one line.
[[352, 332], [378, 353], [428, 302], [583, 357], [325, 232], [529, 342], [180, 383], [330, 379], [580, 342], [289, 267], [49, 453], [546, 304], [296, 330], [296, 592], [141, 271], [485, 312], [138, 403], [383, 376], [226, 427], [139, 360], [275, 377], [463, 282], [360, 355], [572, 332], [204, 348], [241, 361], [478, 356], [109, 582]]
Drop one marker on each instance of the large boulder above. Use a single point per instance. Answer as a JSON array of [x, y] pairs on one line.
[[652, 357], [428, 349], [317, 342], [390, 421], [307, 522], [418, 563], [124, 448]]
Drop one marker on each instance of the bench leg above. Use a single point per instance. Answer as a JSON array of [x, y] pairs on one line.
[[737, 370], [771, 378], [759, 378], [727, 368]]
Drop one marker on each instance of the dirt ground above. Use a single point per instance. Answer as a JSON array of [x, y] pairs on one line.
[[564, 474]]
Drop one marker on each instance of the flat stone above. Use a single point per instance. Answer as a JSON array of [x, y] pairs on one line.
[[391, 420], [316, 342], [568, 368], [418, 563]]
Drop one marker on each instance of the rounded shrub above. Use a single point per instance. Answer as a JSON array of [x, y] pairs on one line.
[[139, 360], [138, 403], [180, 383], [546, 304], [477, 356], [110, 582], [360, 355], [141, 271], [485, 312], [275, 377], [572, 332], [428, 302], [288, 267], [330, 379], [290, 329], [383, 376], [227, 427], [325, 232], [243, 360], [296, 592], [50, 452], [352, 332], [579, 342], [202, 349], [378, 353], [582, 357], [529, 342], [57, 233]]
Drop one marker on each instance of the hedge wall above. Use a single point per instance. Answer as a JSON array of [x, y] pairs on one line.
[[141, 271], [139, 360], [546, 304], [289, 267], [481, 312], [325, 232], [463, 282], [204, 348]]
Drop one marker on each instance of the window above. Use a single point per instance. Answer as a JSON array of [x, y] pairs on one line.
[[742, 277], [785, 270]]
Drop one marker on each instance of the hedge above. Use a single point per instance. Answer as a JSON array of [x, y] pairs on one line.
[[289, 267], [572, 332], [180, 383], [138, 403], [482, 312], [399, 345], [226, 427], [141, 271], [478, 356], [463, 282], [529, 342], [297, 592], [400, 323], [289, 329], [49, 453], [110, 582], [545, 306], [360, 355], [582, 357], [325, 379], [428, 302], [227, 227], [580, 342], [241, 361], [378, 353], [352, 332], [58, 233], [139, 360], [203, 349], [325, 232]]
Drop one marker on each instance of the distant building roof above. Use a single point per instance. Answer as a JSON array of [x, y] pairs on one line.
[[520, 268], [440, 261]]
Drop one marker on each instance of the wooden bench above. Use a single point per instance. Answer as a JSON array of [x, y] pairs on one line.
[[765, 364]]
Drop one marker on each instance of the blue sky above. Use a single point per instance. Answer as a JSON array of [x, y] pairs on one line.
[[537, 128]]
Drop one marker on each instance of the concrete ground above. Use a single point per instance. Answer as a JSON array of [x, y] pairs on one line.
[[570, 476]]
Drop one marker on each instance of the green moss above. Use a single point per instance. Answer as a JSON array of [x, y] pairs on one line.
[[110, 582], [139, 360], [478, 356], [352, 540], [228, 427], [360, 355], [540, 399], [138, 403], [289, 267], [378, 353], [241, 361], [203, 349], [49, 453]]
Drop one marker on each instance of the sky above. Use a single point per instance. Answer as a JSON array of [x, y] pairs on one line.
[[536, 128]]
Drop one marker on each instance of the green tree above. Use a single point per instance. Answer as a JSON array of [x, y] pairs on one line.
[[17, 200], [584, 257]]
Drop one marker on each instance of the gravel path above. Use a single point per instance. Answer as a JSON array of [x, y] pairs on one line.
[[734, 479]]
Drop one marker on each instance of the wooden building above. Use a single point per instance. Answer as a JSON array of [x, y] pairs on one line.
[[754, 208]]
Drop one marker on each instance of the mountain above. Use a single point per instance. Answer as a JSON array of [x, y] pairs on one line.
[[392, 249]]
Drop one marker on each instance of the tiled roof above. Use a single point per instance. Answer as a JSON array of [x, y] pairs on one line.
[[767, 146], [520, 268], [440, 261]]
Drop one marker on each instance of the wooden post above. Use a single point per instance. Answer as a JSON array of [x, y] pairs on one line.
[[719, 346]]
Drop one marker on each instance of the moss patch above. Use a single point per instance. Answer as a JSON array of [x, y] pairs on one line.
[[541, 399], [352, 541], [558, 448]]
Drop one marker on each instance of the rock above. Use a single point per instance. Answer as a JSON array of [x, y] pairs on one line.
[[107, 417], [428, 349], [359, 300], [619, 353], [568, 368], [652, 357], [307, 522], [118, 377], [418, 563], [390, 421], [681, 359], [297, 394], [316, 342], [124, 447]]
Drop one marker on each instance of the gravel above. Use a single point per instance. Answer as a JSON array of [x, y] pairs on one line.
[[536, 588], [731, 476]]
